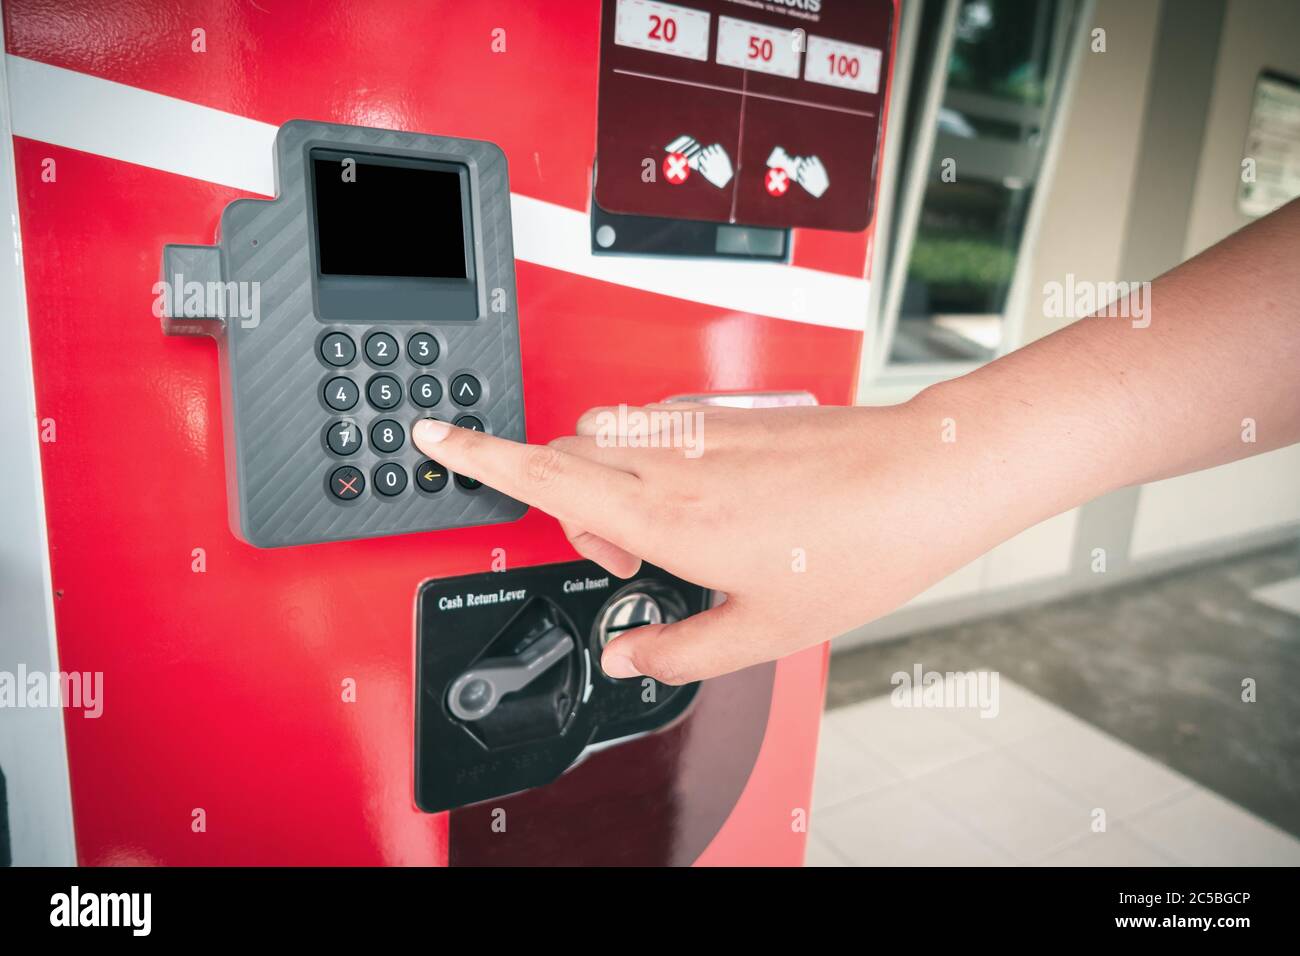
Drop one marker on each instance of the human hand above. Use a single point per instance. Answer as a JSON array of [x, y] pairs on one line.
[[811, 520]]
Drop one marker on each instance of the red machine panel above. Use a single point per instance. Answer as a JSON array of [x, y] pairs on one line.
[[258, 704]]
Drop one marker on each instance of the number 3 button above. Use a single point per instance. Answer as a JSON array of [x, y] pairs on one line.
[[422, 348]]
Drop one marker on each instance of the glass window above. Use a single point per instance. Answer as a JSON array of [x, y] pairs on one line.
[[1004, 63]]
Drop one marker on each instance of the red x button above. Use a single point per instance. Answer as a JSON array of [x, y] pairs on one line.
[[347, 483]]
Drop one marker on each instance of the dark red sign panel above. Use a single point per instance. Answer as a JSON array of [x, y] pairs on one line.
[[759, 112]]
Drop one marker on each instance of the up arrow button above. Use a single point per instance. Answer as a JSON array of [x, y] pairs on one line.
[[466, 390]]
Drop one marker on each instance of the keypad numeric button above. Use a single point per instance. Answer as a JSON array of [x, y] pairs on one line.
[[381, 349], [341, 393], [384, 392], [422, 348], [343, 438], [390, 479], [387, 435], [338, 349], [426, 391]]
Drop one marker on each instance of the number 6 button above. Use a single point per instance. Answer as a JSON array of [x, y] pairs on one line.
[[426, 391], [387, 435]]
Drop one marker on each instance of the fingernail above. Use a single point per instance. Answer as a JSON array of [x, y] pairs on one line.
[[430, 431], [618, 666]]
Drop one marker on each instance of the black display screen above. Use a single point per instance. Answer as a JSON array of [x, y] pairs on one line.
[[389, 217]]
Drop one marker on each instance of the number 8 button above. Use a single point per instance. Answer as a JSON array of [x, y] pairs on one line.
[[387, 435]]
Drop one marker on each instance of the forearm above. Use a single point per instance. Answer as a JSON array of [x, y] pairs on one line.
[[814, 520], [1106, 403]]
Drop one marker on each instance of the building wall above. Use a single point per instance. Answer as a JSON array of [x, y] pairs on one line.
[[1256, 34], [1146, 176]]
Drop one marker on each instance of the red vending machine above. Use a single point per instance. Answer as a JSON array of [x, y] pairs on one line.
[[256, 243]]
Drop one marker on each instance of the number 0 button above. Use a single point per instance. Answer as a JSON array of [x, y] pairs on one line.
[[381, 349], [387, 435], [390, 479], [422, 348], [337, 349]]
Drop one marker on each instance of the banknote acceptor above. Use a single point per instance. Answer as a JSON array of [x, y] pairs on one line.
[[377, 288]]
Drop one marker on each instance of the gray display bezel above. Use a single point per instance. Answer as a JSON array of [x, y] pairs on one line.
[[358, 298], [272, 370]]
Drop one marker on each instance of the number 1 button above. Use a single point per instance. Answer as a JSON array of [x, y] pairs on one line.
[[337, 349]]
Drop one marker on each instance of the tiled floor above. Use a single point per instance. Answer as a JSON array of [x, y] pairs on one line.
[[1162, 665], [929, 786]]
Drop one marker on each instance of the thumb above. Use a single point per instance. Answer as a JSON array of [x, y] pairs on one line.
[[715, 642]]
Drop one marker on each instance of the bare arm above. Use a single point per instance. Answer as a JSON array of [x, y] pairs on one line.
[[816, 520]]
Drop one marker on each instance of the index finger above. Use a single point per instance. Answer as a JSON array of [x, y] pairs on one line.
[[598, 498]]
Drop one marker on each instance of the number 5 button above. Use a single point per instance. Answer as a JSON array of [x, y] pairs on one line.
[[384, 392]]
